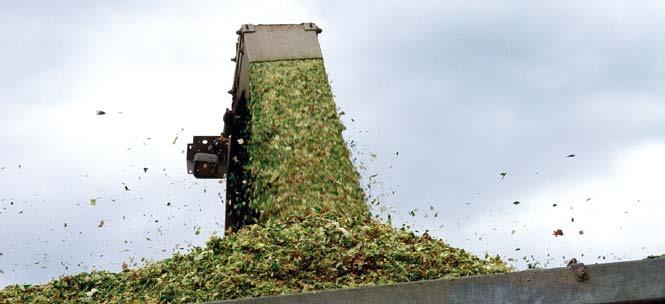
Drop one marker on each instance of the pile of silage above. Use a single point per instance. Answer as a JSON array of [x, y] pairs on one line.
[[288, 256], [315, 230]]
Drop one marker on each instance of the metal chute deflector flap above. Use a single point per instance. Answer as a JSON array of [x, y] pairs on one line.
[[272, 42]]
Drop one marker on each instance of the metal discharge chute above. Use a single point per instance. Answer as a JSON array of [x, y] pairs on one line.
[[225, 156]]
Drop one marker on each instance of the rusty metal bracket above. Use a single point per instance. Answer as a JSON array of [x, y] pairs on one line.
[[311, 26], [246, 28], [208, 157], [580, 271]]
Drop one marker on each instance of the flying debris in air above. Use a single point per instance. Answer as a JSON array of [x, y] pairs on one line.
[[570, 155], [557, 233], [503, 175], [516, 202], [99, 112]]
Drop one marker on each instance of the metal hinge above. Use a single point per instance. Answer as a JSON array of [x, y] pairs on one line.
[[246, 28], [311, 26]]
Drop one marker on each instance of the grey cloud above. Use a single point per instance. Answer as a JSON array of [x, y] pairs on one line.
[[442, 81]]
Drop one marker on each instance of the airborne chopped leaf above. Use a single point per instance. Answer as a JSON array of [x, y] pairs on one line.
[[503, 174], [99, 112], [145, 170], [557, 233], [516, 202], [570, 155], [101, 224]]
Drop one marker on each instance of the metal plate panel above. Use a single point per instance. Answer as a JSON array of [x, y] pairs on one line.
[[204, 144], [640, 281], [282, 42]]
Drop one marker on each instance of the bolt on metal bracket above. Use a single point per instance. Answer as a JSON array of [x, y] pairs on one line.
[[580, 271]]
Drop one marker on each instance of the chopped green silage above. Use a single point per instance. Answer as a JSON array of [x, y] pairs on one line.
[[298, 161], [315, 230], [280, 257]]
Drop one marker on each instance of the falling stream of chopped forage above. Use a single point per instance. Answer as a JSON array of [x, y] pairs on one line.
[[298, 161]]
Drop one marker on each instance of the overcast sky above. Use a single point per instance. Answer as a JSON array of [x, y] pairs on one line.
[[446, 94]]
